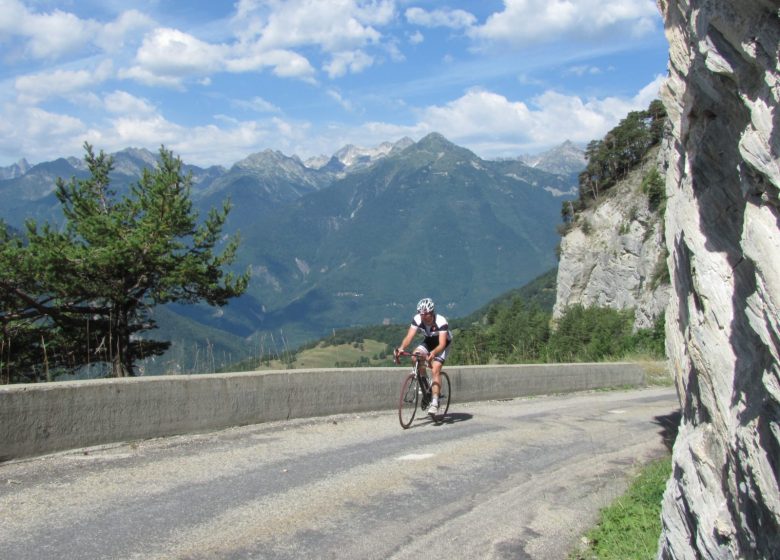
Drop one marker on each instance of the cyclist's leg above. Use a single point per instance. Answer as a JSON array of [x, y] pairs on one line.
[[436, 376], [420, 362], [438, 363]]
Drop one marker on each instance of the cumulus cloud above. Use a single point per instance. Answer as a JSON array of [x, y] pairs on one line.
[[301, 40], [40, 135], [348, 61], [524, 22], [455, 19], [494, 126], [34, 88], [333, 25], [172, 53], [289, 64], [475, 112], [113, 36], [237, 140], [121, 102], [53, 34], [58, 34], [284, 63], [341, 28]]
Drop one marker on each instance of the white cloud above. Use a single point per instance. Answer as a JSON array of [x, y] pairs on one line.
[[493, 125], [210, 144], [34, 88], [338, 98], [583, 69], [486, 122], [476, 112], [142, 131], [39, 135], [289, 64], [523, 22], [257, 104], [169, 57], [173, 53], [333, 25], [649, 93], [285, 63], [12, 13], [342, 28], [58, 34], [149, 78], [112, 36], [237, 141], [455, 19], [296, 39], [348, 61], [121, 102]]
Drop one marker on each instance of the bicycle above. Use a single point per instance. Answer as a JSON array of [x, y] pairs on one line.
[[416, 389]]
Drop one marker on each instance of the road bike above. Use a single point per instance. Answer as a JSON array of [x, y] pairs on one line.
[[416, 389]]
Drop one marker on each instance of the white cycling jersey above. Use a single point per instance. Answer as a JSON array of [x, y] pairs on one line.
[[431, 332]]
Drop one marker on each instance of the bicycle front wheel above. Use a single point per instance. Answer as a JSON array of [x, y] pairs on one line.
[[407, 405]]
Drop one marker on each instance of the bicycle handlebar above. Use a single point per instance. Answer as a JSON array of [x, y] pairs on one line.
[[397, 354]]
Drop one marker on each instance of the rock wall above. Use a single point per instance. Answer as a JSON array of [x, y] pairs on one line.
[[611, 255], [723, 236]]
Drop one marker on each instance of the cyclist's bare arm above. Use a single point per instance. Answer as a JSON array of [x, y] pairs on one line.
[[408, 338]]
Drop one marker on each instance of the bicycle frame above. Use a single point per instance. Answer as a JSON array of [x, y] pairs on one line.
[[416, 389]]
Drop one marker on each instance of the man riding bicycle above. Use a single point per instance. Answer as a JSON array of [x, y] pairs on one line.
[[436, 341]]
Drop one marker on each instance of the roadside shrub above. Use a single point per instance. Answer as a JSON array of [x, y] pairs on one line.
[[591, 334]]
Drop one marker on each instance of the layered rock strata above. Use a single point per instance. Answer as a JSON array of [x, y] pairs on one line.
[[723, 234]]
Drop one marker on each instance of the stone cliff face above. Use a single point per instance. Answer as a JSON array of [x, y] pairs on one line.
[[614, 253], [723, 235]]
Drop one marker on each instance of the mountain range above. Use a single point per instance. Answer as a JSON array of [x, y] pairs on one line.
[[353, 239]]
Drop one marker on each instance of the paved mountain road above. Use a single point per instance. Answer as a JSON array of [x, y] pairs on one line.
[[522, 478]]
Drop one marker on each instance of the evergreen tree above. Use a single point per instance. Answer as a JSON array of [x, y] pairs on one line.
[[622, 148], [90, 288]]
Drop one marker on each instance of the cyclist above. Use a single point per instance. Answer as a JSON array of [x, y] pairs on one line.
[[437, 339]]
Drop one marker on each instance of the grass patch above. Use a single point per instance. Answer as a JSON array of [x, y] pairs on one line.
[[657, 373], [629, 528], [365, 353]]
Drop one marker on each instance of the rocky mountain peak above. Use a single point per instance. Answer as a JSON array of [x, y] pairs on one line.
[[563, 159], [131, 161], [16, 170], [351, 157]]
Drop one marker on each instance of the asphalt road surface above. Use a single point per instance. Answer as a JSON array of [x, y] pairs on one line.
[[521, 478]]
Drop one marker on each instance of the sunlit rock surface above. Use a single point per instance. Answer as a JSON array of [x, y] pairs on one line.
[[723, 235]]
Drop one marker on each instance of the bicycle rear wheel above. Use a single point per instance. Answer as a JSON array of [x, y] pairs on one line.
[[444, 396], [407, 404]]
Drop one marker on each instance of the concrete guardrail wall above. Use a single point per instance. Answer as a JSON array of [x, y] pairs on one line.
[[44, 418]]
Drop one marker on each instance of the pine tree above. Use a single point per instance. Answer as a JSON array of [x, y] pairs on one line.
[[95, 283]]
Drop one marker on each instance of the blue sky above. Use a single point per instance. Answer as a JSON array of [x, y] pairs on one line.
[[216, 81]]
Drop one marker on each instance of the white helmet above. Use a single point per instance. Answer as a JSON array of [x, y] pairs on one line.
[[425, 305]]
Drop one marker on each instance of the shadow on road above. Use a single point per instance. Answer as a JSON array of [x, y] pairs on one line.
[[450, 418], [454, 418], [669, 424]]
